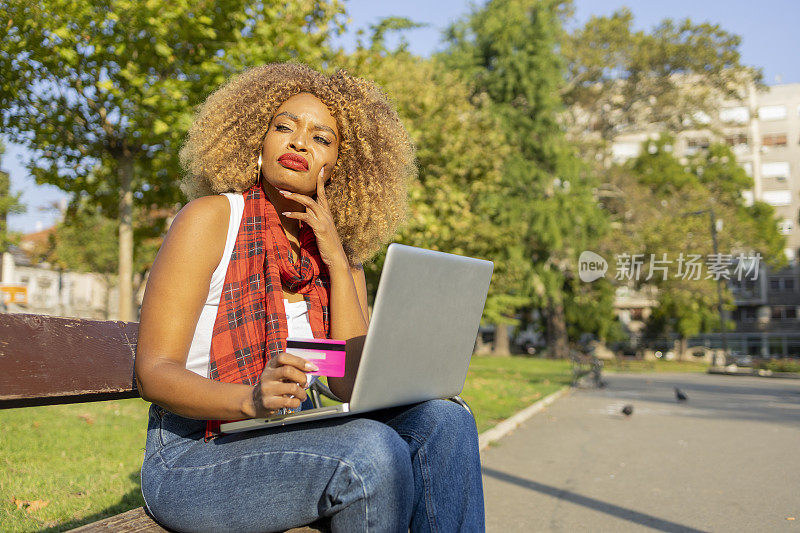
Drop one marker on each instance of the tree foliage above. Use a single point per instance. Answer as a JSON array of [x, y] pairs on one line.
[[620, 79], [453, 202], [85, 241], [664, 81], [508, 52], [10, 204], [103, 92], [664, 208]]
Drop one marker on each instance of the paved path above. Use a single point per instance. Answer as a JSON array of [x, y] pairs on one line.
[[728, 459]]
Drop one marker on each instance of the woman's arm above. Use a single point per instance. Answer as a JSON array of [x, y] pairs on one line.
[[176, 292], [348, 297], [348, 302], [348, 308]]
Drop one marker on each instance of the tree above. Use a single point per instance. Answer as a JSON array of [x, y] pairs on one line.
[[621, 80], [587, 311], [508, 51], [85, 240], [9, 204], [664, 81], [103, 92], [456, 199], [664, 210]]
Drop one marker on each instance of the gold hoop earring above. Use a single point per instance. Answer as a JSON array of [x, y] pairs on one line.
[[258, 174]]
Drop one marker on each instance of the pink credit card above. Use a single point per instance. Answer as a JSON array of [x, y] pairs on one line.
[[327, 354]]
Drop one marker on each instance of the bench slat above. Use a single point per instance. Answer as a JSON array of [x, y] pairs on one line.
[[138, 521], [52, 360], [133, 521]]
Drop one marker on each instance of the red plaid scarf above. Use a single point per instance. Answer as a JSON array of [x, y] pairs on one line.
[[251, 327]]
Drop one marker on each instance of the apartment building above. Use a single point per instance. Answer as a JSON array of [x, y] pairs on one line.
[[769, 149], [766, 138]]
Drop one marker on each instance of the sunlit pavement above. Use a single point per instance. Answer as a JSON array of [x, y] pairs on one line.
[[727, 459]]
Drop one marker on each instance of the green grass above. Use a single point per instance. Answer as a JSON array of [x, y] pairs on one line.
[[498, 387], [84, 459]]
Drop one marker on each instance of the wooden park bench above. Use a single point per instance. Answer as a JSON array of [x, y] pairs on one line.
[[49, 360], [586, 364]]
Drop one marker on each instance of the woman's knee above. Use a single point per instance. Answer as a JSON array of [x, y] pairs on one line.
[[445, 417], [379, 453], [377, 485]]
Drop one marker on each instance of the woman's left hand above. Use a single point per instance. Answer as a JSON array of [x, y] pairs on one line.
[[318, 216]]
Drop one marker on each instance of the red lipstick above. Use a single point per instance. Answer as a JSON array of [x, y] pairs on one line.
[[293, 161]]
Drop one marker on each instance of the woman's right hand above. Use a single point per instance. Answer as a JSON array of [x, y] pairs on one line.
[[281, 384]]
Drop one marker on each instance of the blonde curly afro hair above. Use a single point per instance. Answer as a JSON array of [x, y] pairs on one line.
[[367, 189]]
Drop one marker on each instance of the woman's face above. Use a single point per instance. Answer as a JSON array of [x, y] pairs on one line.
[[302, 138]]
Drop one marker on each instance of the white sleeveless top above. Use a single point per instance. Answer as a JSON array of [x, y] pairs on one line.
[[200, 349]]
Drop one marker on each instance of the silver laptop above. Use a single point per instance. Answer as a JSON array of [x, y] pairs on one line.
[[420, 338]]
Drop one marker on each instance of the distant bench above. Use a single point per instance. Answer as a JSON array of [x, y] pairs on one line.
[[586, 364], [49, 361]]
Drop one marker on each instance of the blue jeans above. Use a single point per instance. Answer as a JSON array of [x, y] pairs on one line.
[[416, 466]]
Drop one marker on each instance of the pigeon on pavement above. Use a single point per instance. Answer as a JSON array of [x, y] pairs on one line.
[[681, 397], [627, 410]]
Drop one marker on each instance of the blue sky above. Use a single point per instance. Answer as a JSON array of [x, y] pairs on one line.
[[770, 40]]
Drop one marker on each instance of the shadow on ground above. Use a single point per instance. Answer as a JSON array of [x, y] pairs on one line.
[[615, 510]]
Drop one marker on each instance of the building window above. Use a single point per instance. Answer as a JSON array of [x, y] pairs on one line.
[[736, 115], [753, 345], [793, 345], [744, 314], [696, 144], [784, 312], [785, 226], [775, 169], [775, 139], [744, 289], [737, 139], [777, 198], [772, 112], [781, 284]]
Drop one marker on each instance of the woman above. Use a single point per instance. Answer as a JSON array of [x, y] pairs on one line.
[[313, 171]]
